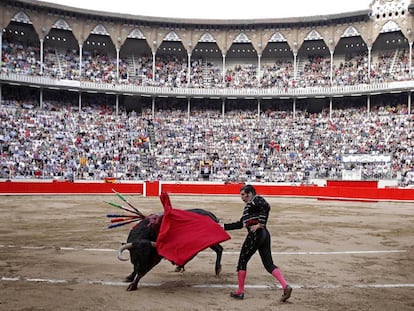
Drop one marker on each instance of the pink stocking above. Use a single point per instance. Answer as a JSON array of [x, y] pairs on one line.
[[278, 275], [241, 276]]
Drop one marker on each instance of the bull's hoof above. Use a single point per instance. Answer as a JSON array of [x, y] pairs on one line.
[[132, 287], [179, 269], [128, 279], [218, 270]]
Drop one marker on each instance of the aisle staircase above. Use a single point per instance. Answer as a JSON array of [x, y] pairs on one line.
[[207, 79]]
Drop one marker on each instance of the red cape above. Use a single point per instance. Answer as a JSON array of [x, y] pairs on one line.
[[183, 234]]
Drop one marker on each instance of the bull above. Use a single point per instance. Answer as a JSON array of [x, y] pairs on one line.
[[141, 243]]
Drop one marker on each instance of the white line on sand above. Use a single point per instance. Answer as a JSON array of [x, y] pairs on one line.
[[206, 252], [114, 283]]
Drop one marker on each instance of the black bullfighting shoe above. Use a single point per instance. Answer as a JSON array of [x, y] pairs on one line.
[[237, 295], [286, 293]]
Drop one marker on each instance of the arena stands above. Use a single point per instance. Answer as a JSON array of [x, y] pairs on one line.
[[136, 109], [96, 143]]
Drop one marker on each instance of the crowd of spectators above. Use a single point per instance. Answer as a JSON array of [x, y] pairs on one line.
[[172, 71], [58, 141]]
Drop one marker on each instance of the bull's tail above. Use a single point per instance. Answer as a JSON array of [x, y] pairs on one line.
[[121, 249]]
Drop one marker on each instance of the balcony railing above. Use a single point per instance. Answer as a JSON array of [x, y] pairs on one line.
[[362, 89]]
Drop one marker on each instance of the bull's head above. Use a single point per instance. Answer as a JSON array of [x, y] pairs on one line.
[[139, 244]]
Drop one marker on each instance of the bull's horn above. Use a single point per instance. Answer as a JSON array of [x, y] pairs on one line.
[[121, 249]]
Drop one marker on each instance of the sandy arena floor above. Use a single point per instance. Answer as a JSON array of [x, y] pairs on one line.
[[56, 254]]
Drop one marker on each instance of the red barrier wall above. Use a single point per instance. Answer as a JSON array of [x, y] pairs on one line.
[[152, 188], [352, 183], [337, 191], [352, 191], [202, 188], [65, 187]]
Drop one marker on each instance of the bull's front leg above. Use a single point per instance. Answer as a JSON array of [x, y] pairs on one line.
[[130, 277], [219, 251], [140, 272], [134, 284]]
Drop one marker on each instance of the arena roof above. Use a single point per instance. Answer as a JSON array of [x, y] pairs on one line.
[[307, 21]]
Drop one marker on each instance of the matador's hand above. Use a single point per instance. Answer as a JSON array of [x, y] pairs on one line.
[[254, 228]]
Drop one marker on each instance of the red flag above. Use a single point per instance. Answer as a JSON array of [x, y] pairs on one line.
[[183, 233]]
